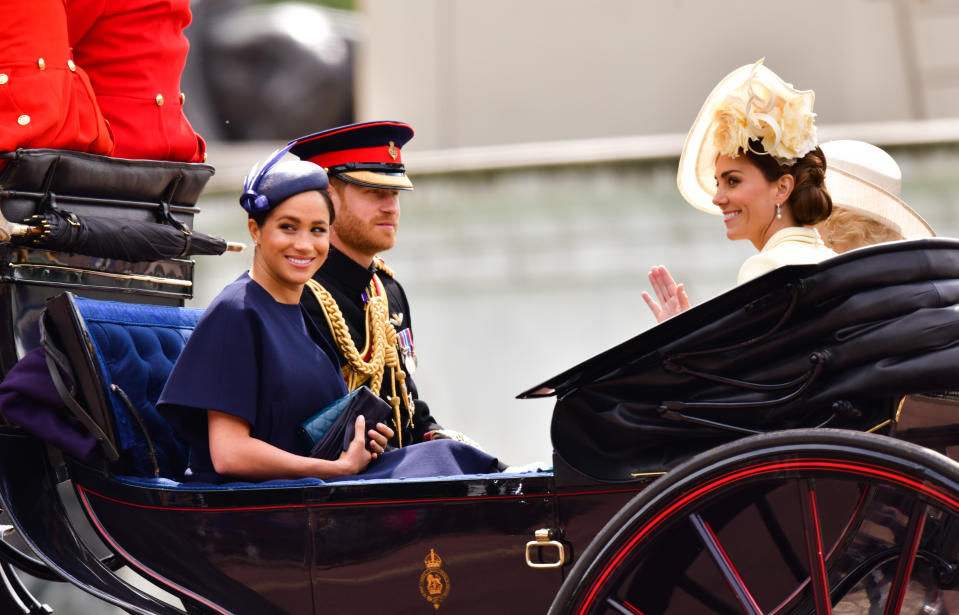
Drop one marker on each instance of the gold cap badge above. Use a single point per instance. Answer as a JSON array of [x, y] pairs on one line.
[[393, 151]]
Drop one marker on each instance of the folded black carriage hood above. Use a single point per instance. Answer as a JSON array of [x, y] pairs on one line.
[[837, 343]]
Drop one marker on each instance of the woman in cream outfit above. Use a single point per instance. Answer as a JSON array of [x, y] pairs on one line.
[[865, 184], [752, 157]]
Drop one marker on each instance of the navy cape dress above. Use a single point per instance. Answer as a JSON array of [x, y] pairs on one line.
[[263, 361], [252, 357]]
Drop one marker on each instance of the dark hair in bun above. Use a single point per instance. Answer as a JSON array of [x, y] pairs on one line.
[[810, 201]]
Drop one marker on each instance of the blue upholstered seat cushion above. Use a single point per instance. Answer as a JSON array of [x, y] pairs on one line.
[[136, 346]]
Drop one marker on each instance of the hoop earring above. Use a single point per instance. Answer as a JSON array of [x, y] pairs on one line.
[[779, 211]]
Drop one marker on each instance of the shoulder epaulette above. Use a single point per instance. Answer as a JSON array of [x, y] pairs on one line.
[[381, 265]]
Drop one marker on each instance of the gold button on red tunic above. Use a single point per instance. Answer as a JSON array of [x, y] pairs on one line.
[[55, 107], [134, 52]]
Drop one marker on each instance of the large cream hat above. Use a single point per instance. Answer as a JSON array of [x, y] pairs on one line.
[[751, 103], [864, 179]]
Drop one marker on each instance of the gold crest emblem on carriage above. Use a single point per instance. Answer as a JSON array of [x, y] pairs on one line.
[[434, 582]]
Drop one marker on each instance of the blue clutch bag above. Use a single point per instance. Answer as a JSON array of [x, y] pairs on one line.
[[329, 432]]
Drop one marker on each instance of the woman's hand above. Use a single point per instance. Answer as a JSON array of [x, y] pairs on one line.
[[234, 452], [355, 458], [378, 439], [672, 296]]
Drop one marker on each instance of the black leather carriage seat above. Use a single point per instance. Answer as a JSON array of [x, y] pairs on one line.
[[45, 181], [121, 355]]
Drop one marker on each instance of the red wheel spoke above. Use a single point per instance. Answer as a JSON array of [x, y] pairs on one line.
[[907, 557], [814, 548], [726, 567]]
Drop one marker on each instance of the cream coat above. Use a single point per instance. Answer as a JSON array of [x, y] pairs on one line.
[[794, 245]]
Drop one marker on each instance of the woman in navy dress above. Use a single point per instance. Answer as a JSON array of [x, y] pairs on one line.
[[255, 367]]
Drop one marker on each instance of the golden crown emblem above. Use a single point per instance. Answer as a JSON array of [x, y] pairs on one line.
[[393, 151], [433, 560], [434, 583]]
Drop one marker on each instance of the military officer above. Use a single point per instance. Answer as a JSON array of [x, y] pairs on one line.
[[354, 298]]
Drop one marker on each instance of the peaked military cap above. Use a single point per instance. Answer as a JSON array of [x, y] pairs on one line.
[[367, 154]]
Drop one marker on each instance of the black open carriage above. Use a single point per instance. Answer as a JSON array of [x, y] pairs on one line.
[[782, 448]]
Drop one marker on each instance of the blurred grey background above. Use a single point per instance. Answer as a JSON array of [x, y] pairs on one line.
[[547, 138]]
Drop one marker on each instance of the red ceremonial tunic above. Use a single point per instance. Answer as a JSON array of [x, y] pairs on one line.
[[134, 52], [45, 99]]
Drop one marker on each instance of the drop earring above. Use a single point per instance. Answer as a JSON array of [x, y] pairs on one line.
[[779, 211]]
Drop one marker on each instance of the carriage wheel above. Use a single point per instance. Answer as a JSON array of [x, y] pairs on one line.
[[804, 521]]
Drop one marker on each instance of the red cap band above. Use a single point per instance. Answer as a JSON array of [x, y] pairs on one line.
[[381, 153]]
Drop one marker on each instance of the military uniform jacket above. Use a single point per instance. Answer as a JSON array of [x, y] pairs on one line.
[[347, 282]]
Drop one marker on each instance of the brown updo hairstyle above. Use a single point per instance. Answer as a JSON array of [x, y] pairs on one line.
[[810, 201]]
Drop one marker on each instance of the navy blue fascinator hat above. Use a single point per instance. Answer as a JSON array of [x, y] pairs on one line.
[[271, 183]]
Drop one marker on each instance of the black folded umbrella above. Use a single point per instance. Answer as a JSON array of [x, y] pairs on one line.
[[130, 240]]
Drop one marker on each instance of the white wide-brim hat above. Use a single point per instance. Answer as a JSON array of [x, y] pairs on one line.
[[863, 178], [697, 164]]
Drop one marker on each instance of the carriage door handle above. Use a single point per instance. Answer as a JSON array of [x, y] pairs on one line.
[[544, 538]]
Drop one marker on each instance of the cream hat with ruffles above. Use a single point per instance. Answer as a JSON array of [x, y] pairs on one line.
[[750, 103]]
